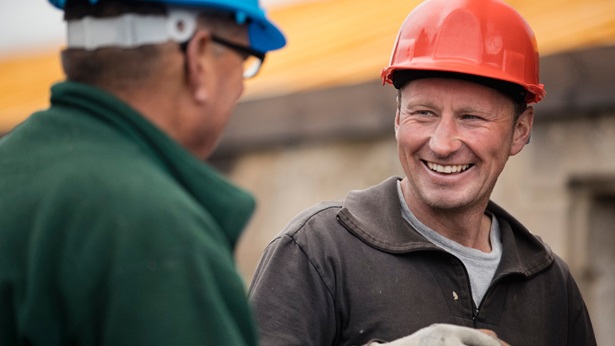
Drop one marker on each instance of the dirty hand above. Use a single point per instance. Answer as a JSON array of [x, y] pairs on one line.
[[447, 335]]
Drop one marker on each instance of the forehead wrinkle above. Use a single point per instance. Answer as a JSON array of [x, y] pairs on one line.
[[417, 99]]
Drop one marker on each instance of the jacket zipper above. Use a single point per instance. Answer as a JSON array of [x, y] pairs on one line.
[[475, 310]]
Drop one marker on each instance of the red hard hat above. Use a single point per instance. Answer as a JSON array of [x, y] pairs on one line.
[[485, 38]]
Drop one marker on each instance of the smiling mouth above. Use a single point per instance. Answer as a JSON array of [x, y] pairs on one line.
[[450, 169]]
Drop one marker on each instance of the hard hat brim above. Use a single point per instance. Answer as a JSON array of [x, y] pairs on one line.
[[263, 34], [535, 94]]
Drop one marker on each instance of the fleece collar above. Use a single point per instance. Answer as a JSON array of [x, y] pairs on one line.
[[374, 215], [229, 205]]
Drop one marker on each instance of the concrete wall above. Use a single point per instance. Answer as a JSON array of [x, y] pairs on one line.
[[563, 188], [536, 185]]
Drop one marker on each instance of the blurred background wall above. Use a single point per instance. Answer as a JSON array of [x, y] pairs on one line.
[[317, 123]]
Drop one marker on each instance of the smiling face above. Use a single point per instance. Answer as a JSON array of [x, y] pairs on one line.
[[454, 138]]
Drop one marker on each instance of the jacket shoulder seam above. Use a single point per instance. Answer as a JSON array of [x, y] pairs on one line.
[[302, 219], [313, 265]]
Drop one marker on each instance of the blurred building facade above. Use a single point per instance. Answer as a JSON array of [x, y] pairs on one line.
[[318, 123]]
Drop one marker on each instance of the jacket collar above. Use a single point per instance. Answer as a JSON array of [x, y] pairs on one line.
[[374, 215], [230, 206]]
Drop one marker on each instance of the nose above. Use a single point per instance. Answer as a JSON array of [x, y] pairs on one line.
[[445, 139]]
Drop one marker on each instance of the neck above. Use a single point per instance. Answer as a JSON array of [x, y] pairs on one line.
[[469, 227], [170, 110]]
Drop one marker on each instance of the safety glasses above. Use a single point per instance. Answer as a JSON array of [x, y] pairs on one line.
[[252, 59]]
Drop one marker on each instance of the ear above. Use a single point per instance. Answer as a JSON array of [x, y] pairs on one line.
[[197, 67], [396, 123], [522, 131], [398, 100]]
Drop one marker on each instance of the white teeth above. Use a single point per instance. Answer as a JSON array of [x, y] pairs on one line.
[[447, 169]]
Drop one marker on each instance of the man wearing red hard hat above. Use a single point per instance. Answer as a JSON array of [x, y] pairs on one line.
[[113, 229], [429, 259]]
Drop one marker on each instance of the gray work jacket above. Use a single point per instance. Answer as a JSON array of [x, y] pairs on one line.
[[345, 273]]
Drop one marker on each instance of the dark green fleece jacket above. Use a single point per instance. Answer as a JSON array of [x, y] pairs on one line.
[[111, 233]]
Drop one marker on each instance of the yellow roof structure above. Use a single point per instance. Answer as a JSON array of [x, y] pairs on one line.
[[330, 43]]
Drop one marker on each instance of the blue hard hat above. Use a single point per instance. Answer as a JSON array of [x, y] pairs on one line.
[[264, 35]]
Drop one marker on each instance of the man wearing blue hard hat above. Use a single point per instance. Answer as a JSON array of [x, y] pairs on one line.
[[114, 231]]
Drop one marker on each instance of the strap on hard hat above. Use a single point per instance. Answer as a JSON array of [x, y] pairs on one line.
[[131, 30]]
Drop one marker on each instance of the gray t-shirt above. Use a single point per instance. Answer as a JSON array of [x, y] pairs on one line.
[[480, 266]]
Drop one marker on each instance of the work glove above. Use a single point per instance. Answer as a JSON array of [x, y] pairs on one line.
[[447, 335]]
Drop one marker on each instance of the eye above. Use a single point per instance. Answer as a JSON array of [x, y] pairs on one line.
[[422, 113], [471, 117]]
